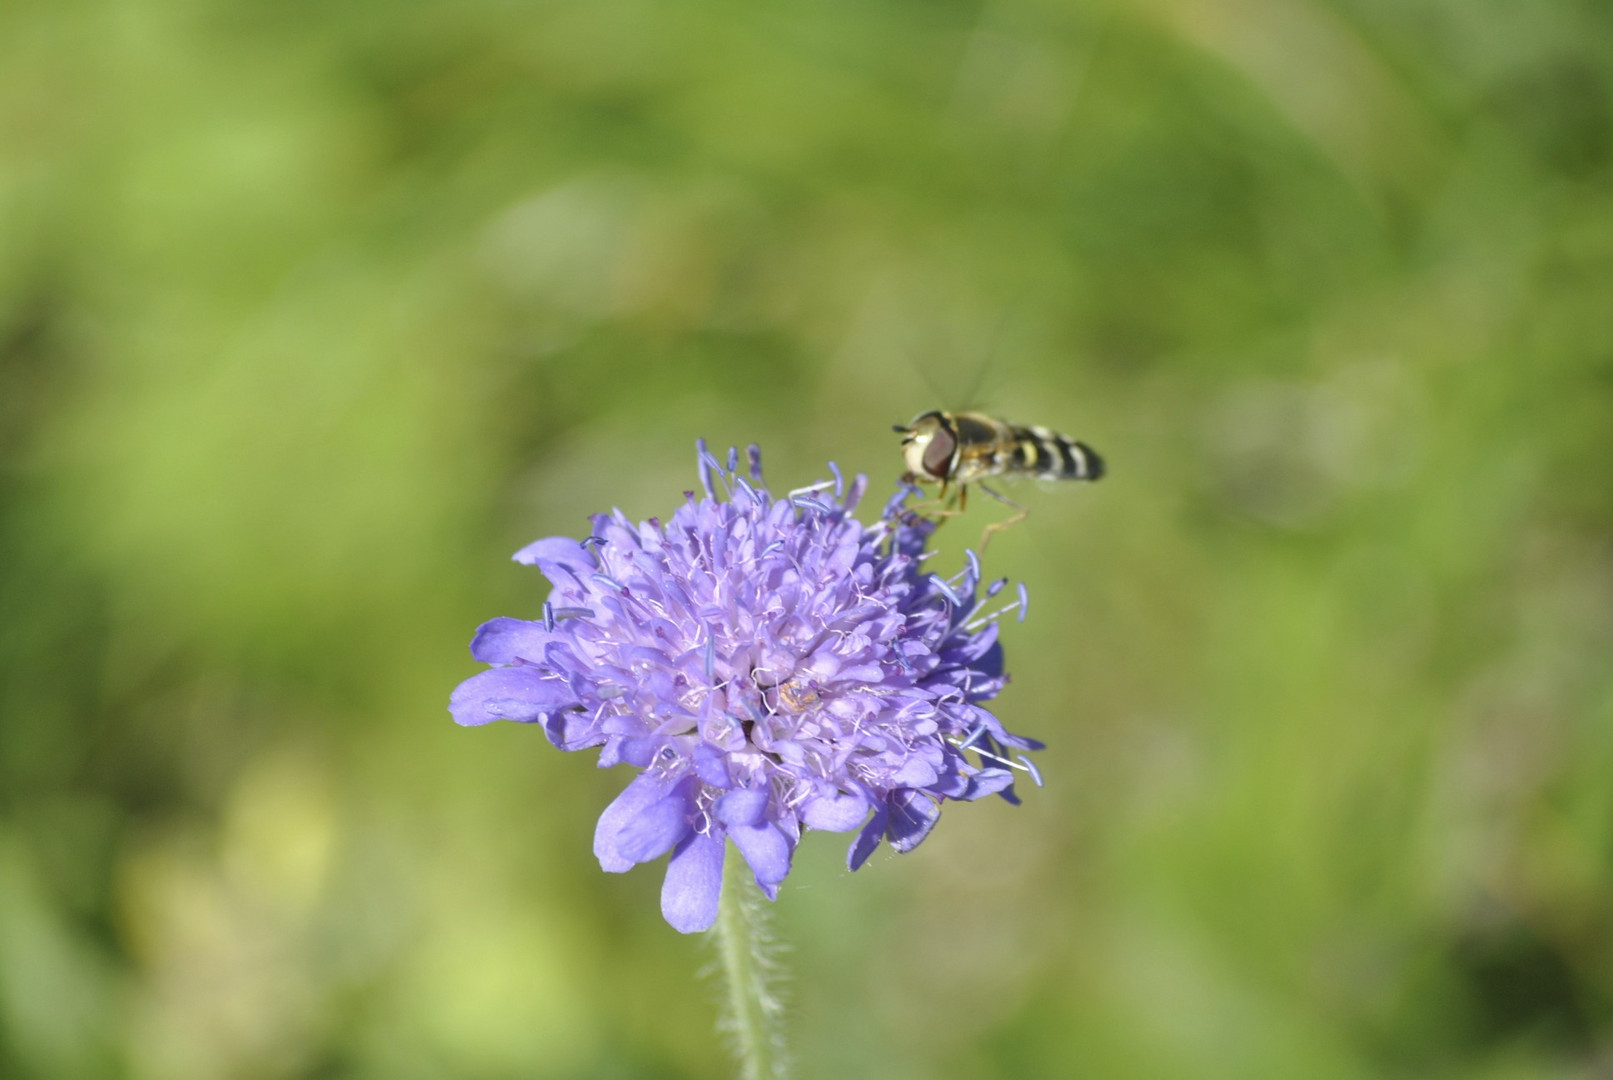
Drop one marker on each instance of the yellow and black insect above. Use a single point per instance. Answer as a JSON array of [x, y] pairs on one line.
[[963, 448]]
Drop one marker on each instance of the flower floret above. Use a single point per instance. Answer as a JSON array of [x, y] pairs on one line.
[[768, 664]]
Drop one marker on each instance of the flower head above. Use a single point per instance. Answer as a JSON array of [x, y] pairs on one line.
[[768, 665]]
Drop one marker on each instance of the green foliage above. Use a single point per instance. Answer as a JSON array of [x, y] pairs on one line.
[[310, 314]]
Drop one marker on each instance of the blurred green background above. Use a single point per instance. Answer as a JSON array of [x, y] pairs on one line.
[[312, 313]]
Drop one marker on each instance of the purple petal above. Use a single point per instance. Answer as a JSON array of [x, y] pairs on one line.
[[712, 765], [868, 839], [513, 693], [556, 551], [641, 750], [645, 791], [913, 815], [988, 782], [835, 813], [651, 832], [706, 464], [975, 646], [747, 806], [915, 772], [952, 783], [572, 730], [1023, 742], [765, 849], [504, 641], [693, 884]]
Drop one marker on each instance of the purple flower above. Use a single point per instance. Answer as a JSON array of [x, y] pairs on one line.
[[768, 665]]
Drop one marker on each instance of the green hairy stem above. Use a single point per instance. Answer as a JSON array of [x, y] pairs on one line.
[[752, 1014]]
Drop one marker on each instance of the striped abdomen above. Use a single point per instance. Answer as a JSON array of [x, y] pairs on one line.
[[1045, 453]]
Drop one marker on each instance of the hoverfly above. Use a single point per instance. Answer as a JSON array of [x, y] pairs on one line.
[[966, 448]]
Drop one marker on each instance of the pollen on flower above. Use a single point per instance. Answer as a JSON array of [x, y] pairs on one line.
[[768, 665]]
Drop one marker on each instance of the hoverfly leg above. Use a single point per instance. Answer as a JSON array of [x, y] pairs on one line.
[[937, 510], [949, 502], [999, 526]]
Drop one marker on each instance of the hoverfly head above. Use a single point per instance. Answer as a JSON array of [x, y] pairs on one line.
[[930, 442]]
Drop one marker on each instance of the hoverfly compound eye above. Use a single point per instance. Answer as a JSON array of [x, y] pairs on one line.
[[938, 454]]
